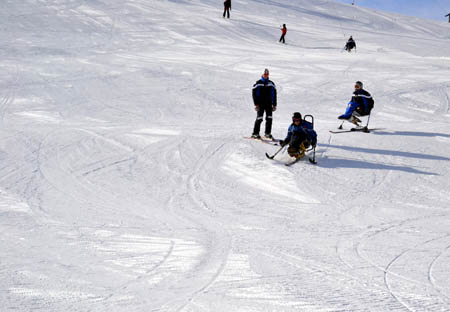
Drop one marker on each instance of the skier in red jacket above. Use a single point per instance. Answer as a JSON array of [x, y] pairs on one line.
[[283, 33]]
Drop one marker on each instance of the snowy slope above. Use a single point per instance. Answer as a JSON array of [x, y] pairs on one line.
[[126, 184]]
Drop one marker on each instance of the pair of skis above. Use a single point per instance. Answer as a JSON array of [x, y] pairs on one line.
[[265, 140], [361, 129]]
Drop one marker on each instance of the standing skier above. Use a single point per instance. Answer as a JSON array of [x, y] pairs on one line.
[[448, 17], [226, 8], [264, 95], [300, 136], [360, 104], [350, 44], [283, 33]]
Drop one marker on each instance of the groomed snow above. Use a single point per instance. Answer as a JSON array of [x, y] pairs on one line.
[[126, 183]]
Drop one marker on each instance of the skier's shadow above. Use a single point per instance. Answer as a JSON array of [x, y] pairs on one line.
[[413, 133], [355, 163]]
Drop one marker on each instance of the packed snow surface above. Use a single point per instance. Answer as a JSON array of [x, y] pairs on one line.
[[126, 183]]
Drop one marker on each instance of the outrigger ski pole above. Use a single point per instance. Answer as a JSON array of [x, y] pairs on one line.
[[271, 157], [313, 159]]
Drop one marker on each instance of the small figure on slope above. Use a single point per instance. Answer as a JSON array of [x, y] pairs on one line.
[[448, 17], [264, 95], [360, 105], [350, 44], [300, 136], [283, 33], [226, 8]]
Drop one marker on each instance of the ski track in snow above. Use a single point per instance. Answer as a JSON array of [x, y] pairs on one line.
[[125, 184]]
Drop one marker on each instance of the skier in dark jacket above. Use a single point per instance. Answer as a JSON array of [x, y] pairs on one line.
[[283, 33], [350, 44], [264, 95], [226, 8], [300, 136], [360, 104], [448, 17]]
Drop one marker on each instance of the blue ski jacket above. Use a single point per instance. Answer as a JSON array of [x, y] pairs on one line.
[[361, 101], [306, 128], [264, 93]]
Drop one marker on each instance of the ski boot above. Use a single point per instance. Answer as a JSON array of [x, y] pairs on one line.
[[355, 121]]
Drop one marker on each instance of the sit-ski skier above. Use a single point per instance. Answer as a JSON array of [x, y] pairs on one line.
[[351, 44], [360, 105], [300, 136]]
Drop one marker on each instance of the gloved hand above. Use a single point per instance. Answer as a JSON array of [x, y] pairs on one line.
[[282, 143], [274, 108], [257, 108]]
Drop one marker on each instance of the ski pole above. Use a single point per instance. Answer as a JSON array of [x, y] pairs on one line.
[[271, 157], [368, 118], [313, 159]]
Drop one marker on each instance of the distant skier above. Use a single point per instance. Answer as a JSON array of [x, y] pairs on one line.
[[360, 105], [350, 44], [226, 8], [448, 17], [264, 95], [283, 33], [300, 136]]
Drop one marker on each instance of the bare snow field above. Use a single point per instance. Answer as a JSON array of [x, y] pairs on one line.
[[126, 183]]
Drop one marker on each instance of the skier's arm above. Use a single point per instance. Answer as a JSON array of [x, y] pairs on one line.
[[288, 136], [274, 96], [312, 137], [255, 92]]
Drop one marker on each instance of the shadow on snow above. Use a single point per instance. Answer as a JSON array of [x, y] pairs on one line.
[[413, 133], [363, 164], [328, 162]]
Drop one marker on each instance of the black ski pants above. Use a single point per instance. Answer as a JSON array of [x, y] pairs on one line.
[[282, 38], [297, 139], [227, 11], [259, 120]]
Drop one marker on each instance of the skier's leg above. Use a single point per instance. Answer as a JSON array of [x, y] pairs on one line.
[[296, 146], [268, 129], [258, 121], [351, 106]]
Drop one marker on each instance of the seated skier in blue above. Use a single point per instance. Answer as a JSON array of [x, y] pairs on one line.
[[360, 105], [300, 136]]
